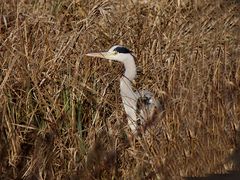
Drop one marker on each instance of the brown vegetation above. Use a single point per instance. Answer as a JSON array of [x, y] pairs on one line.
[[61, 115]]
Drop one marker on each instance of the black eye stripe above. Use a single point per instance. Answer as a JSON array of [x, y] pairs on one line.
[[122, 50]]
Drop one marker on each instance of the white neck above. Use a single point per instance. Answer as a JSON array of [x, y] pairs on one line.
[[129, 97], [130, 69], [128, 77]]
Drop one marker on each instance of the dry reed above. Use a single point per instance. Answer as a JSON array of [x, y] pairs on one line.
[[61, 112]]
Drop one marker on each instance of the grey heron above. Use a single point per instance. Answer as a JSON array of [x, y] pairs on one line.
[[138, 105]]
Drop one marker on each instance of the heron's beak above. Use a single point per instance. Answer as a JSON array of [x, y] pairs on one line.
[[105, 55]]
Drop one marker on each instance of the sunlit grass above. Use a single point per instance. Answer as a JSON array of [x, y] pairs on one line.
[[61, 112]]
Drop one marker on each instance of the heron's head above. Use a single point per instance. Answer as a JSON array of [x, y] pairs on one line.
[[116, 53]]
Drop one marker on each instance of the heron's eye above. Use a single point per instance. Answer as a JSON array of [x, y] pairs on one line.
[[115, 52]]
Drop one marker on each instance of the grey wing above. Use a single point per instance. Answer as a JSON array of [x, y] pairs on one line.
[[147, 105]]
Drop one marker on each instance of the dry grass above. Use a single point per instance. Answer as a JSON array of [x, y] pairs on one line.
[[61, 114]]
